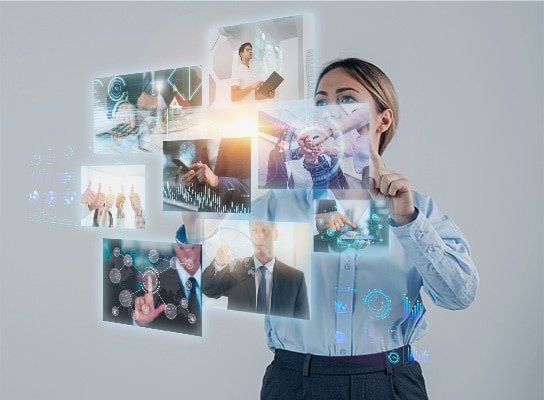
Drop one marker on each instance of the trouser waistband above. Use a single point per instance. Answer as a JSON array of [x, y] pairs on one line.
[[325, 365]]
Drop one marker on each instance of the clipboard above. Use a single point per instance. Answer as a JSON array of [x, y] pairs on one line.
[[271, 83]]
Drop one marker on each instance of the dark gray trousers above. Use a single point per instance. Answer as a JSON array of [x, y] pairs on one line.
[[295, 376]]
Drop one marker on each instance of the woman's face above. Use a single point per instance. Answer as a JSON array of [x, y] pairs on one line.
[[340, 88]]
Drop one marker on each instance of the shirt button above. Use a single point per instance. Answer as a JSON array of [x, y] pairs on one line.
[[343, 352], [419, 234], [347, 266], [444, 217], [430, 248]]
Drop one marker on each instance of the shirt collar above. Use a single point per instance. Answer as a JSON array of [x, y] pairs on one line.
[[184, 275], [269, 265]]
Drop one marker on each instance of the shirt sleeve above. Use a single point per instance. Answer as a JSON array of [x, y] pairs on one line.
[[236, 80], [441, 255]]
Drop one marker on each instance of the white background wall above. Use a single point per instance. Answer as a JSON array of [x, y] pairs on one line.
[[470, 82]]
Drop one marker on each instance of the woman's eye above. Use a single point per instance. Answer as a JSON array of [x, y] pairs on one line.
[[320, 102], [347, 100]]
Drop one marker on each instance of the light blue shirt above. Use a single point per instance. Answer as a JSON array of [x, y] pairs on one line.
[[364, 301]]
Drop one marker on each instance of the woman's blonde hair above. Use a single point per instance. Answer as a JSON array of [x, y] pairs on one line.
[[377, 83]]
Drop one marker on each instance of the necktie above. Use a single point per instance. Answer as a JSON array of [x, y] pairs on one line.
[[194, 305], [261, 294]]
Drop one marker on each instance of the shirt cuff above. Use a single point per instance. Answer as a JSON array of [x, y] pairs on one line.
[[419, 239]]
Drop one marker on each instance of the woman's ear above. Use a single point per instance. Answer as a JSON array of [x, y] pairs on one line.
[[385, 118]]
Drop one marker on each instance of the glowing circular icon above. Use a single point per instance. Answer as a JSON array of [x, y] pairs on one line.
[[191, 318], [127, 260], [393, 357], [36, 160], [145, 309], [116, 252], [184, 302], [153, 256], [50, 156], [33, 197], [125, 298], [173, 262], [170, 311], [97, 86], [150, 273], [51, 198], [115, 276], [330, 232], [69, 198], [378, 303], [189, 285], [187, 152], [321, 221], [68, 152], [116, 88], [115, 311]]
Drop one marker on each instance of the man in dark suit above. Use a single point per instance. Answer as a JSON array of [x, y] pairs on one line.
[[173, 298], [260, 283]]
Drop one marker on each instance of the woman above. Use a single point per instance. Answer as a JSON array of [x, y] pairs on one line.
[[366, 308]]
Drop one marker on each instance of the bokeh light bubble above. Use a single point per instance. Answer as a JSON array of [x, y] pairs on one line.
[[184, 303], [127, 260], [115, 276], [150, 273], [170, 311], [125, 298], [188, 264], [153, 256]]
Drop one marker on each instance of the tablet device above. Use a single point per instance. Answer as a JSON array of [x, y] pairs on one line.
[[271, 83], [184, 167]]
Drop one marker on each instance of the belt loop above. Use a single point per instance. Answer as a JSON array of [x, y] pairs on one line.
[[306, 365], [388, 369]]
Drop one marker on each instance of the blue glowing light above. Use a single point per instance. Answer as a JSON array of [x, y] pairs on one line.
[[340, 308], [64, 177], [378, 303], [70, 198], [393, 357], [51, 198], [33, 197], [187, 152], [340, 337]]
